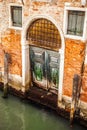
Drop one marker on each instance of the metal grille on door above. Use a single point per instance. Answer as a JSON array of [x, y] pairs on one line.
[[43, 33]]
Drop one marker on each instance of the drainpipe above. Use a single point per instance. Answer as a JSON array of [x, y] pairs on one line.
[[22, 2]]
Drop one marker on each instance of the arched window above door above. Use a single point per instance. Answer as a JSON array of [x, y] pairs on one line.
[[43, 33]]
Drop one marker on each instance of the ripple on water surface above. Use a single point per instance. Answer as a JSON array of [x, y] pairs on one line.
[[17, 115]]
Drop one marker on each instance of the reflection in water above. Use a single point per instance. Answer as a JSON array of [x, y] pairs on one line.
[[16, 115]]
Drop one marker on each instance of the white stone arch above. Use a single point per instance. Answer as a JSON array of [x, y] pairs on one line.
[[25, 53]]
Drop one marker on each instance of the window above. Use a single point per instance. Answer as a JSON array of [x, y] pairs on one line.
[[16, 16], [75, 22]]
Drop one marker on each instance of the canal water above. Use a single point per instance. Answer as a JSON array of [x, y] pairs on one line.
[[18, 115]]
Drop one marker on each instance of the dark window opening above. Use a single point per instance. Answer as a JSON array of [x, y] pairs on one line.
[[75, 22], [16, 16]]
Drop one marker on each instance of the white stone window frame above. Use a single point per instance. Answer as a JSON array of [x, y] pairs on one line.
[[65, 24], [10, 17]]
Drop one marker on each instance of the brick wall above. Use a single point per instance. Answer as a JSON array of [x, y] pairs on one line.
[[74, 58], [84, 85], [11, 44], [4, 16], [11, 41]]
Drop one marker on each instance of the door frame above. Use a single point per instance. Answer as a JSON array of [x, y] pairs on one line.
[[26, 75]]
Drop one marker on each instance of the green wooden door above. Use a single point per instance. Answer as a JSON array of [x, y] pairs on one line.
[[44, 67]]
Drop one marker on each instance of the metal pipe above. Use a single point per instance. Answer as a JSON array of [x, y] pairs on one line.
[[22, 2]]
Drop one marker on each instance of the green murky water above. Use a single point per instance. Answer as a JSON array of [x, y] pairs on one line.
[[17, 115]]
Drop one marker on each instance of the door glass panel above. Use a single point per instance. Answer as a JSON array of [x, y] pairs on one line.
[[37, 56], [38, 71], [54, 77], [53, 66]]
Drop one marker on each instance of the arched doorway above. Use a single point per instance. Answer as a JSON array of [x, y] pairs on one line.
[[30, 44], [45, 42]]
